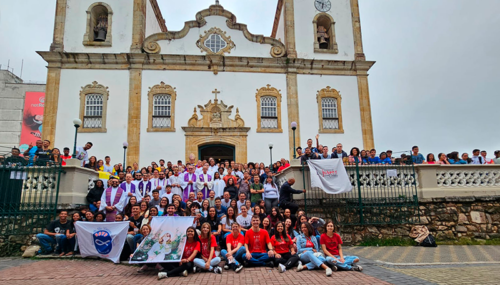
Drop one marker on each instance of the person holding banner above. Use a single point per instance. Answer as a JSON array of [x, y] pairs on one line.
[[208, 260], [113, 200], [285, 196], [234, 243], [191, 250]]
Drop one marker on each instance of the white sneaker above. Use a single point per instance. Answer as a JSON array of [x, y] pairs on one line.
[[162, 275], [185, 273], [281, 268], [238, 269], [357, 268], [300, 266], [329, 272], [218, 270], [226, 267], [194, 269]]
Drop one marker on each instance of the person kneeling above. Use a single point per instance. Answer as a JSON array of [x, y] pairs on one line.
[[208, 260], [234, 242], [307, 246], [285, 257], [191, 249], [331, 244], [256, 241]]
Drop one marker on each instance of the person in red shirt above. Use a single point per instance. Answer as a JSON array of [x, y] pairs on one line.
[[331, 244], [230, 175], [284, 165], [257, 242], [191, 249], [208, 260], [285, 256], [66, 155], [234, 242]]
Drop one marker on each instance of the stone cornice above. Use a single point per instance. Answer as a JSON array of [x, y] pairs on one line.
[[125, 61], [158, 15], [277, 18]]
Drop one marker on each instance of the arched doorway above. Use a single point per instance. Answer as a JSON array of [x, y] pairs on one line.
[[219, 152]]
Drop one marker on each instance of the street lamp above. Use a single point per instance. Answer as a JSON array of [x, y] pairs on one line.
[[77, 122], [271, 153], [294, 127], [125, 145]]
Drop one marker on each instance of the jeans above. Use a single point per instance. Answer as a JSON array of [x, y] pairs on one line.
[[258, 259], [311, 261], [132, 241], [200, 263], [217, 237], [287, 259], [238, 253], [71, 244], [270, 203], [346, 265], [47, 242]]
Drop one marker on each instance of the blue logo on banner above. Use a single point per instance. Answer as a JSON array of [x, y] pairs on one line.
[[103, 242]]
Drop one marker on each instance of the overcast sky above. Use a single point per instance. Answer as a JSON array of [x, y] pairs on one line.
[[435, 83]]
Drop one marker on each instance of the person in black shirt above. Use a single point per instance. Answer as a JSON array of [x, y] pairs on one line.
[[42, 155], [133, 234], [308, 155], [286, 200], [71, 235], [95, 194], [55, 234], [214, 222]]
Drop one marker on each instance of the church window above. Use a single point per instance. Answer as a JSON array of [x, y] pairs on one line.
[[93, 108], [161, 108], [329, 111], [98, 29], [268, 110], [215, 43], [324, 34]]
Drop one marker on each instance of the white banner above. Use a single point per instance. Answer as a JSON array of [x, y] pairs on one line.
[[166, 241], [329, 175], [104, 240]]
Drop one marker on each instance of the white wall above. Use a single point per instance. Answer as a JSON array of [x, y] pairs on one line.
[[110, 143], [76, 25], [243, 47], [304, 38], [152, 26], [195, 88], [308, 86], [280, 33]]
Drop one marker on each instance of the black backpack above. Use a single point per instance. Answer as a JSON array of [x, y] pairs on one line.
[[429, 241]]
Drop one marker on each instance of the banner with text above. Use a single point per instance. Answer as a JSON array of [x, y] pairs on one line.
[[31, 128], [104, 240], [166, 241], [329, 175]]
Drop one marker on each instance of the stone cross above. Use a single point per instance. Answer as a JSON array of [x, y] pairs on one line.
[[216, 92]]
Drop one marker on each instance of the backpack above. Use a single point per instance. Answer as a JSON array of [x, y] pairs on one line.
[[429, 241]]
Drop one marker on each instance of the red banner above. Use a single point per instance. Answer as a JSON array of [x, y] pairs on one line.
[[31, 129]]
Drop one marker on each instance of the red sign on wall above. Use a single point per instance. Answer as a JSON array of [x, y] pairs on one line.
[[31, 129]]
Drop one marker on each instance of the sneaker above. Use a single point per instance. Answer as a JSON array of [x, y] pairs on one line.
[[357, 268], [185, 273], [194, 269], [142, 269], [281, 268], [300, 267], [334, 267], [238, 269], [226, 267], [162, 275], [329, 271], [270, 264], [218, 270]]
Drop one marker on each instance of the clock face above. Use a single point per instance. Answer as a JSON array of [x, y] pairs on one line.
[[323, 5]]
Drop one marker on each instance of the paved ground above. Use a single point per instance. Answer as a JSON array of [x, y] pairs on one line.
[[382, 265]]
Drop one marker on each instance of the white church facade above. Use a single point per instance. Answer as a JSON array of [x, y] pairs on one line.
[[212, 88]]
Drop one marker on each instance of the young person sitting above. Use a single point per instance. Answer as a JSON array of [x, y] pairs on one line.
[[244, 220], [227, 221], [307, 246], [71, 235], [55, 234], [170, 211], [257, 242], [191, 249], [221, 210], [331, 244], [208, 260], [133, 231], [285, 257], [234, 243], [214, 221]]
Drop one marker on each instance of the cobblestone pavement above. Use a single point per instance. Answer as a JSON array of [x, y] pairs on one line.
[[10, 262]]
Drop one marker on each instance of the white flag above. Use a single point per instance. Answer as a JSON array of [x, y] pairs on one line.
[[329, 175], [104, 240]]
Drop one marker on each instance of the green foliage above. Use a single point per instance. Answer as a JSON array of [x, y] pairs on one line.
[[393, 241]]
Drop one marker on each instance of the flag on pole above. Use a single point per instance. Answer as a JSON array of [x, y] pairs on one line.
[[104, 240], [329, 175]]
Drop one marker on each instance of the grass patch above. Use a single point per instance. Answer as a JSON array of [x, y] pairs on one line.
[[472, 241], [394, 241]]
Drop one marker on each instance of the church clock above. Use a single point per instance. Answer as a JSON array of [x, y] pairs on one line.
[[322, 5]]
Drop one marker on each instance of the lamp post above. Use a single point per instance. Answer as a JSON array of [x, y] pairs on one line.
[[125, 145], [271, 154], [77, 123], [294, 127]]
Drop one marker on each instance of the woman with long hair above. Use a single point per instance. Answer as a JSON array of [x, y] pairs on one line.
[[144, 209], [127, 211], [430, 159], [218, 185], [95, 195], [442, 159], [208, 260], [55, 157], [228, 220], [92, 164], [153, 212], [353, 155], [331, 244], [258, 211], [162, 207], [287, 214], [145, 230], [100, 165], [271, 193], [454, 159], [289, 229], [307, 247], [265, 224], [205, 205], [191, 249], [150, 169], [262, 205], [301, 219], [214, 222], [178, 209], [234, 204], [364, 157], [275, 216], [99, 217], [234, 244], [231, 188], [286, 257], [71, 236]]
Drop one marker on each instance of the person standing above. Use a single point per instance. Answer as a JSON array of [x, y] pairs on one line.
[[188, 183], [42, 155], [95, 195], [176, 180], [256, 190], [285, 196], [82, 154], [271, 193], [30, 152], [130, 188], [66, 155], [339, 153], [107, 167], [204, 182], [416, 157], [113, 200]]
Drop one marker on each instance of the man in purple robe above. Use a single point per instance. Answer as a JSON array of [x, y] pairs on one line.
[[113, 200], [204, 182], [189, 182]]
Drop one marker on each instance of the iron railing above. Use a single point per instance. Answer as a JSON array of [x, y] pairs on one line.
[[28, 195]]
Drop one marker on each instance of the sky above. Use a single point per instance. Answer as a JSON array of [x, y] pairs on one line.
[[434, 84]]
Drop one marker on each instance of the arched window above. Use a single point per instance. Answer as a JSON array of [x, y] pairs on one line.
[[324, 34], [99, 22], [268, 110], [161, 108], [93, 108], [329, 111]]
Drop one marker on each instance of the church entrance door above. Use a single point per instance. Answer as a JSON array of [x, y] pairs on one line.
[[219, 152]]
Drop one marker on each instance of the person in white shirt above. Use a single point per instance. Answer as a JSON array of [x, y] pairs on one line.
[[168, 193], [160, 183], [204, 182], [226, 202], [176, 180], [113, 200], [218, 186], [212, 168], [485, 159], [244, 219], [107, 167], [144, 186], [242, 200], [476, 159], [130, 188], [82, 154]]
